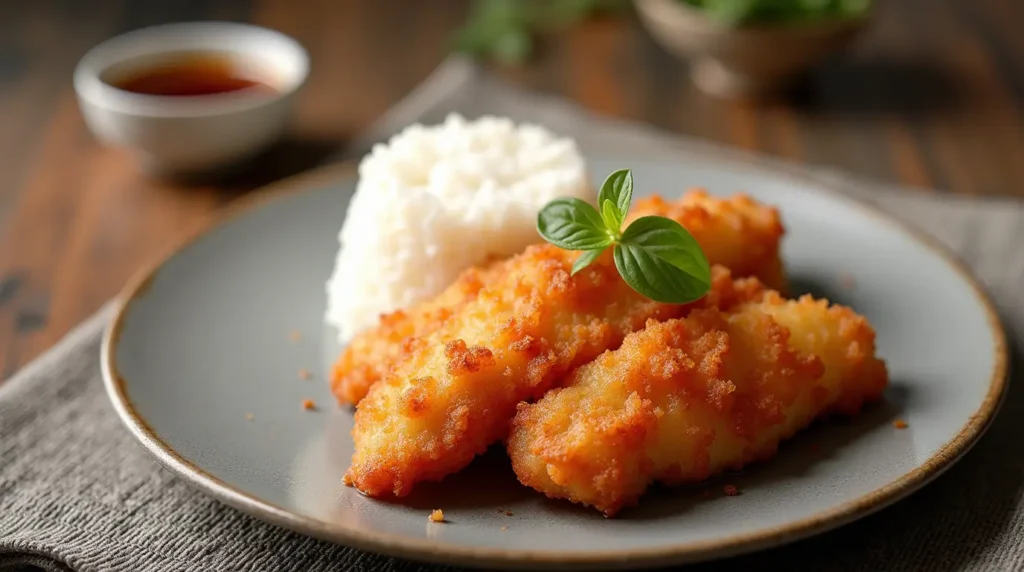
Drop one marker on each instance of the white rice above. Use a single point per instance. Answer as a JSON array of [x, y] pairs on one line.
[[436, 200]]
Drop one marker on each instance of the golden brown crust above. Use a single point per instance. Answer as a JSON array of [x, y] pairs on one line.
[[454, 395], [368, 356], [737, 233], [687, 398]]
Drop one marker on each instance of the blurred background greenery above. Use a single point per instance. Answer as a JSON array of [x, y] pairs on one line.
[[506, 30]]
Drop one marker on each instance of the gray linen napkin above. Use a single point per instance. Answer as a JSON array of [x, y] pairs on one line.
[[76, 493]]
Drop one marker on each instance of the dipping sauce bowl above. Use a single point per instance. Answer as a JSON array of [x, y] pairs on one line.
[[191, 97]]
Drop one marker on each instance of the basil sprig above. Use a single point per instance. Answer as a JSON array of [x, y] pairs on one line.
[[655, 255]]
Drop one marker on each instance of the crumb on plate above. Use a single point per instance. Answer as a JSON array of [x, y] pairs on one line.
[[436, 515], [504, 528], [308, 404], [508, 513], [900, 424], [730, 490], [248, 416], [305, 374], [295, 335], [346, 480], [846, 280]]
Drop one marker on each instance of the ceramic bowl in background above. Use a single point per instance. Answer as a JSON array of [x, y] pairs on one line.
[[744, 61], [195, 133]]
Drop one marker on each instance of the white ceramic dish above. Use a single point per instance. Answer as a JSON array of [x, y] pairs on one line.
[[202, 339], [196, 133]]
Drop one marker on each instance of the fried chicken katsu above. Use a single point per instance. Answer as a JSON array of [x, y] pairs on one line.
[[456, 390], [737, 233], [684, 399], [368, 356]]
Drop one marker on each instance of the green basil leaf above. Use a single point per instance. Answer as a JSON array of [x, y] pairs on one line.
[[660, 259], [617, 188], [610, 215], [656, 279], [572, 224], [668, 240], [586, 258]]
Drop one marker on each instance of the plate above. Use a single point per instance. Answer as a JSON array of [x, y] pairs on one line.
[[203, 365]]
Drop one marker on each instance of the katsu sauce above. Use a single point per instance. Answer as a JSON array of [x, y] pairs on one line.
[[199, 74]]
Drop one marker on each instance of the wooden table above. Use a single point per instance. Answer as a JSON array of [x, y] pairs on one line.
[[932, 96]]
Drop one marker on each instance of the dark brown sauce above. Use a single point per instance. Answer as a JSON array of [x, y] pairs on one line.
[[198, 75]]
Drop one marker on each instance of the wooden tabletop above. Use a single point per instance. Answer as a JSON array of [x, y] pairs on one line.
[[932, 95]]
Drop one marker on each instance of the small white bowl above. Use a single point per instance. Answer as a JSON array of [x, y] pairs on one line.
[[174, 134]]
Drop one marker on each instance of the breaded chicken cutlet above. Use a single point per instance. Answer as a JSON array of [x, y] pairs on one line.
[[456, 390], [367, 357], [684, 399], [737, 233]]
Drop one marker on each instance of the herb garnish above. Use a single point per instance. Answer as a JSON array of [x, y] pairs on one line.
[[507, 30], [655, 255], [741, 12]]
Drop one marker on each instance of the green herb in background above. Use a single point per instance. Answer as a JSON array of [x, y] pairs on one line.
[[655, 255], [736, 12], [505, 30]]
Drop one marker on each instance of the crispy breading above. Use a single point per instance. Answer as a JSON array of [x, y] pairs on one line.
[[737, 233], [366, 359], [456, 390], [685, 399]]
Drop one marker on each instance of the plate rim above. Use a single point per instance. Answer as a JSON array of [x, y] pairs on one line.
[[432, 551]]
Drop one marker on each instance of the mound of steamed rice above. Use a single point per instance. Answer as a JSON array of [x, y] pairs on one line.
[[436, 200]]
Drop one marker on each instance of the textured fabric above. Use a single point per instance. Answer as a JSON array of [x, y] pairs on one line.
[[76, 492]]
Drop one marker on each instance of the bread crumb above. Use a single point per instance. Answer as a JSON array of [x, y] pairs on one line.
[[248, 416], [305, 374], [295, 335], [846, 280], [504, 528], [308, 404], [346, 480], [437, 515], [508, 513], [730, 490], [900, 424]]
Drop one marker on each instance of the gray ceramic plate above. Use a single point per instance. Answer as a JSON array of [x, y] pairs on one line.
[[203, 339]]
